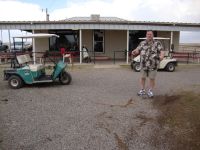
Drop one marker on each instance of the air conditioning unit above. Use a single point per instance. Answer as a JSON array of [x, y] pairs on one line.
[[95, 17]]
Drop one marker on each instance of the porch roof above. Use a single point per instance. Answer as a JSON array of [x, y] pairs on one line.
[[103, 23]]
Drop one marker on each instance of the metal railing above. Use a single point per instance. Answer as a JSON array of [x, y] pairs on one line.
[[53, 55], [119, 51], [7, 57], [76, 54], [188, 57]]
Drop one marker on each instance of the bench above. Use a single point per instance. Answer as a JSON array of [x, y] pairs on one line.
[[5, 56]]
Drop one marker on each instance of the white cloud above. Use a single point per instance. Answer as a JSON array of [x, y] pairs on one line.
[[115, 8], [140, 10], [143, 10], [18, 11]]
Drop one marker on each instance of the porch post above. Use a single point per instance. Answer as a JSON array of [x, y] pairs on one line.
[[9, 39], [127, 47], [34, 55], [80, 45], [171, 40]]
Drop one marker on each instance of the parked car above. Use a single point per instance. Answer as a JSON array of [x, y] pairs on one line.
[[19, 46], [3, 47]]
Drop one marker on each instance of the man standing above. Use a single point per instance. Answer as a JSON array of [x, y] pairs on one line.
[[151, 53]]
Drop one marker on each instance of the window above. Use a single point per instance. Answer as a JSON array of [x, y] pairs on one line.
[[98, 41], [68, 39]]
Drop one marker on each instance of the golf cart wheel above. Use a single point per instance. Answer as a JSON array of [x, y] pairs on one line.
[[65, 78], [136, 67], [170, 67], [15, 82]]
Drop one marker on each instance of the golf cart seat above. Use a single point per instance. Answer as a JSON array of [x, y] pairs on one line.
[[24, 59], [36, 67]]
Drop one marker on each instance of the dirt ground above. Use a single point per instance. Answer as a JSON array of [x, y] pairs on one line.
[[179, 120], [100, 110]]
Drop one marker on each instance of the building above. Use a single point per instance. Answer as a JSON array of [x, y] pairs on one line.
[[102, 35]]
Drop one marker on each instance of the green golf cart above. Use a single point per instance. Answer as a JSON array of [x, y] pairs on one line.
[[27, 72]]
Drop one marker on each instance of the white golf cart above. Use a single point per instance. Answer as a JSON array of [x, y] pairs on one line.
[[168, 63]]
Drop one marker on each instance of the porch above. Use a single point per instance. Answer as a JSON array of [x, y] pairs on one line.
[[102, 45]]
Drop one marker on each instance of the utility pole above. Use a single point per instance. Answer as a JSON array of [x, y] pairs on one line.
[[47, 15]]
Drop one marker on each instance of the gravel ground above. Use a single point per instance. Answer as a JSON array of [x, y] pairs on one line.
[[99, 110]]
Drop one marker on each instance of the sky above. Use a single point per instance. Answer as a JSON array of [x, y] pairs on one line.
[[134, 10]]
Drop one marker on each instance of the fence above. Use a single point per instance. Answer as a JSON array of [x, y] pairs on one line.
[[122, 51], [186, 57], [7, 57]]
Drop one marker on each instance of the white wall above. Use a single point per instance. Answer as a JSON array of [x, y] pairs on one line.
[[114, 40], [41, 44]]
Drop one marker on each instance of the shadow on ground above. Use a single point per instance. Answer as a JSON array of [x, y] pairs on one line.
[[179, 122]]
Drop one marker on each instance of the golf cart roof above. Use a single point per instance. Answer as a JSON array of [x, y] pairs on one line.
[[37, 35], [156, 38]]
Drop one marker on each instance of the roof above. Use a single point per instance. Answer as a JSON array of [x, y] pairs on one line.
[[97, 22], [100, 19], [102, 22], [37, 35]]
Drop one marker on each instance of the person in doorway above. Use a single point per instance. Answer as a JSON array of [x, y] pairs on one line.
[[151, 53]]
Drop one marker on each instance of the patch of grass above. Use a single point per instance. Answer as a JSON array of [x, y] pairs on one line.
[[125, 66], [180, 114], [196, 85], [188, 66]]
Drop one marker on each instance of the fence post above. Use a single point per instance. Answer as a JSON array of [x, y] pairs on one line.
[[94, 57], [114, 58]]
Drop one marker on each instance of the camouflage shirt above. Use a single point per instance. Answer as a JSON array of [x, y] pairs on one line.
[[149, 54]]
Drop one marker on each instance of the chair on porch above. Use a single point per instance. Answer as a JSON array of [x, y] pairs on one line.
[[66, 55]]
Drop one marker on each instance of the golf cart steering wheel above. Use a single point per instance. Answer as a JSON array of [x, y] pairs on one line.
[[46, 54]]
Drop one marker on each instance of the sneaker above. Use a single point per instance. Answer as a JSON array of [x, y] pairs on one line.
[[150, 93], [141, 92]]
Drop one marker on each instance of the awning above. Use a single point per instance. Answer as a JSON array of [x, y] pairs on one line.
[[37, 35]]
